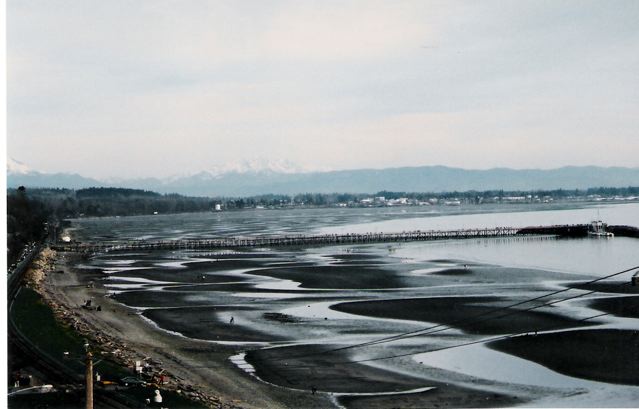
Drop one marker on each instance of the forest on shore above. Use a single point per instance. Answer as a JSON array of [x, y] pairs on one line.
[[32, 211]]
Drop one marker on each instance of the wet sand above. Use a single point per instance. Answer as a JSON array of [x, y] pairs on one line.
[[456, 311], [615, 287], [336, 277], [201, 295], [294, 389], [191, 272], [206, 366], [205, 323], [619, 306], [305, 367], [202, 365], [377, 291], [606, 355], [443, 396], [453, 272]]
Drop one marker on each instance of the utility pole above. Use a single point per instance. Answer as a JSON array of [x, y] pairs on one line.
[[88, 371], [89, 380]]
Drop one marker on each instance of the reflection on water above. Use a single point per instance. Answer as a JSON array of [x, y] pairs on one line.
[[622, 214], [286, 297], [254, 222], [482, 362], [584, 256]]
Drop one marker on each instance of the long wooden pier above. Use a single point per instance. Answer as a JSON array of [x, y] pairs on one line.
[[299, 240]]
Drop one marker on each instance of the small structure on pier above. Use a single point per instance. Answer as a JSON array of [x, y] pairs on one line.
[[597, 228]]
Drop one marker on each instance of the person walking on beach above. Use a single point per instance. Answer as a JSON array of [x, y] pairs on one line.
[[232, 320]]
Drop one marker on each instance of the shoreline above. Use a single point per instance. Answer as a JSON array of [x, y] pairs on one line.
[[215, 379], [201, 370]]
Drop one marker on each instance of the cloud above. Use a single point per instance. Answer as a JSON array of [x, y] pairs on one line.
[[338, 31], [133, 86]]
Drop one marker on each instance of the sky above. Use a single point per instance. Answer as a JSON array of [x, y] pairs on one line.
[[157, 88]]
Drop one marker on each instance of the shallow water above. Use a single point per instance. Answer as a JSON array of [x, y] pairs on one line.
[[271, 302], [621, 214]]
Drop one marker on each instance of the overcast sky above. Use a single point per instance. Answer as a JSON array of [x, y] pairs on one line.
[[140, 88]]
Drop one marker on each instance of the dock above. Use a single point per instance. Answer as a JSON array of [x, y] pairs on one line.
[[577, 230]]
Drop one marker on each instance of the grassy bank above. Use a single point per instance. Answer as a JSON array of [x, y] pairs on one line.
[[36, 322]]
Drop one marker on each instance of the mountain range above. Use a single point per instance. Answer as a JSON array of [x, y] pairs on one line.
[[284, 178]]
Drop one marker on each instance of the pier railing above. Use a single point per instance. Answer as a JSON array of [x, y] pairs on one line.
[[311, 240]]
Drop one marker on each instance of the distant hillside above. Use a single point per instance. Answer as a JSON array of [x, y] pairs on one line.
[[51, 180], [407, 179]]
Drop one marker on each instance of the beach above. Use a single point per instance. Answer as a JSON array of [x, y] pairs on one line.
[[202, 369], [285, 376], [195, 366], [291, 326]]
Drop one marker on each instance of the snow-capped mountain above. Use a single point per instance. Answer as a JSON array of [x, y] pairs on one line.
[[237, 173], [254, 167], [255, 177], [19, 174], [17, 167], [259, 165]]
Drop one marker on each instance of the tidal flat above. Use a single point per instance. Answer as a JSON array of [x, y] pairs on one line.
[[458, 323]]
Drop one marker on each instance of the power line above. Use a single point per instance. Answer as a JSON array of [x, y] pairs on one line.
[[513, 312], [463, 344], [480, 341], [281, 373], [443, 327]]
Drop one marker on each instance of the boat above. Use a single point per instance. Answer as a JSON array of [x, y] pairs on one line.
[[597, 228]]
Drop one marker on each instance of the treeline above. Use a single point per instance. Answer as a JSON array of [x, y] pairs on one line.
[[33, 213], [67, 203], [471, 196], [26, 219], [29, 209], [491, 194]]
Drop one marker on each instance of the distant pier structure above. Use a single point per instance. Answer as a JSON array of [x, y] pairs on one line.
[[337, 239]]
